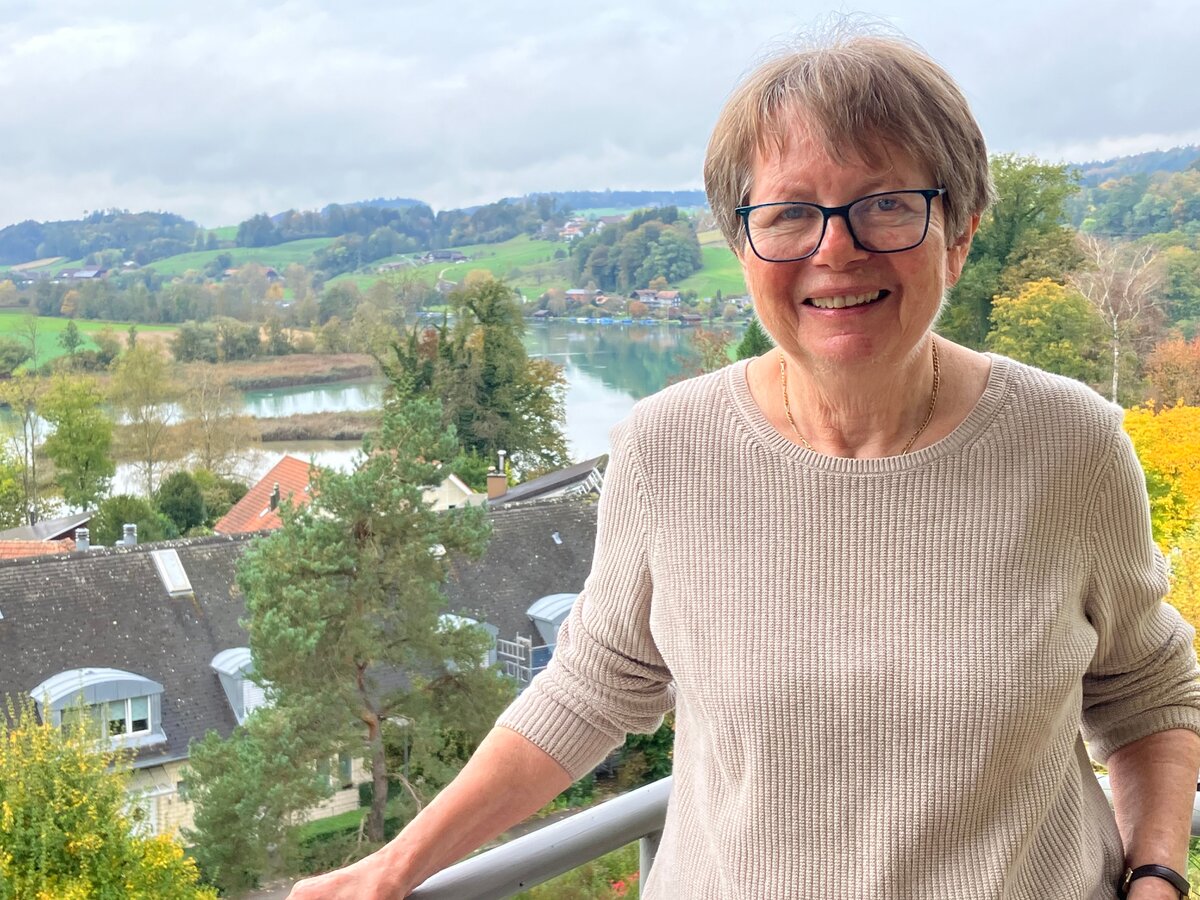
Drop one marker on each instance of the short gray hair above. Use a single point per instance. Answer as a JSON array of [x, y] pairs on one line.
[[856, 92]]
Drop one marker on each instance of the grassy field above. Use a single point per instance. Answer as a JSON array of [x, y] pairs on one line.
[[721, 272], [527, 264], [279, 256], [50, 328], [225, 232]]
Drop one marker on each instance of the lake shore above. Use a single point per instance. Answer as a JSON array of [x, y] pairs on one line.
[[324, 426], [297, 370]]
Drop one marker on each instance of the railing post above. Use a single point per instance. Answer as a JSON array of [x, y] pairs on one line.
[[647, 850]]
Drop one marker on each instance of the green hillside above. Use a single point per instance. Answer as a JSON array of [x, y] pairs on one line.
[[279, 256], [527, 264], [721, 272]]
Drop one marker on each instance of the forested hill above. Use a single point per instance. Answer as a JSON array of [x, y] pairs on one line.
[[1177, 159], [155, 235]]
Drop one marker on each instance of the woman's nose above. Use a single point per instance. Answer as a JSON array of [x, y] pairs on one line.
[[838, 245]]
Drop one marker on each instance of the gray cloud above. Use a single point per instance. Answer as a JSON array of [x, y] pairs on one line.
[[220, 111]]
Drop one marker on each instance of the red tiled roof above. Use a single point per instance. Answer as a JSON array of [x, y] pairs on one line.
[[15, 549], [253, 512]]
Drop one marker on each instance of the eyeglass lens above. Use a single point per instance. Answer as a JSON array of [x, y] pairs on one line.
[[881, 223]]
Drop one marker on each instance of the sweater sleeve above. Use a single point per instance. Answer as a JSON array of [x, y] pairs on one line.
[[1142, 678], [606, 677]]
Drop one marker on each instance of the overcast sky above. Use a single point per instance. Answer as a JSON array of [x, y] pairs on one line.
[[218, 110]]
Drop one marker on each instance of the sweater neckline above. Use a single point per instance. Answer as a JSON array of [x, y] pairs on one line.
[[968, 429]]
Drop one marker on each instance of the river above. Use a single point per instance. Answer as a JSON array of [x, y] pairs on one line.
[[608, 368]]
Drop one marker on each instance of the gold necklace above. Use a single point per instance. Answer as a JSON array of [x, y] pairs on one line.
[[937, 381]]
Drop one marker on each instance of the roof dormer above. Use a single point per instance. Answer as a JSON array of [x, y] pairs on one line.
[[123, 706], [235, 668]]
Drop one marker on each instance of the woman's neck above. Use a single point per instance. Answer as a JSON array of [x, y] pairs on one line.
[[866, 411]]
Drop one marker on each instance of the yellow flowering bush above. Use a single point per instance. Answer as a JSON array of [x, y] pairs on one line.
[[65, 832], [1185, 578], [1167, 440]]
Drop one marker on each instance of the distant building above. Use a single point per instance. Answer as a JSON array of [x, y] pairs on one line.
[[444, 256], [290, 479], [148, 637]]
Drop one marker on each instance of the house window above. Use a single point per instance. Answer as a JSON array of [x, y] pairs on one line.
[[117, 718], [130, 716], [345, 771]]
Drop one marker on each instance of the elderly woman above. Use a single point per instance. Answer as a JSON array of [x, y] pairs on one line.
[[888, 584]]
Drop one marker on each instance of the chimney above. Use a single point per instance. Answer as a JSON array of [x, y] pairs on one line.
[[275, 497], [82, 539], [497, 481], [130, 534]]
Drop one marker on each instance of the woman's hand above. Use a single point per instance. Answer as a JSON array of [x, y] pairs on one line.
[[372, 878]]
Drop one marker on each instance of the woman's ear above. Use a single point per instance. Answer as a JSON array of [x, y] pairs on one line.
[[956, 253]]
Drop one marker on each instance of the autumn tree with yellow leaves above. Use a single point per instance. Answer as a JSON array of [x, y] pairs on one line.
[[66, 827], [1167, 440]]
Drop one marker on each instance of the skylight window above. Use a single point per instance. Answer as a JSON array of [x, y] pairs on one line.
[[171, 572]]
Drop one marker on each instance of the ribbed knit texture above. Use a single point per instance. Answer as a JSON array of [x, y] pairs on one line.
[[883, 669]]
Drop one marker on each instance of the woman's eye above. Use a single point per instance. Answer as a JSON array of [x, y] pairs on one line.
[[795, 213]]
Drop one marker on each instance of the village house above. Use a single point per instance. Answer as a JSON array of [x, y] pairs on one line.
[[148, 636]]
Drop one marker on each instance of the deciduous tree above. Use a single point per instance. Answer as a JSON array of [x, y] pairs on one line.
[[12, 353], [81, 444], [65, 827], [114, 513], [215, 430], [1049, 326], [1122, 282], [1022, 237], [23, 394], [1174, 371], [143, 390], [1167, 440], [1184, 559], [70, 339]]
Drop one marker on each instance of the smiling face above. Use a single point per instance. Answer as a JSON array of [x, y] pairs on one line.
[[844, 306]]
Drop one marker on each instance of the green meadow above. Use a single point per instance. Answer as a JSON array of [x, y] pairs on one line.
[[279, 257], [527, 264], [721, 272], [50, 328]]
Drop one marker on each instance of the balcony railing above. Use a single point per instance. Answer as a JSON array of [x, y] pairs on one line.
[[558, 848]]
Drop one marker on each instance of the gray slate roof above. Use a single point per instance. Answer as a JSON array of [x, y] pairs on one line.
[[48, 529], [523, 563], [558, 480], [107, 607]]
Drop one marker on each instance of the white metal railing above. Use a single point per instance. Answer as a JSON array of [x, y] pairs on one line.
[[558, 848], [543, 854]]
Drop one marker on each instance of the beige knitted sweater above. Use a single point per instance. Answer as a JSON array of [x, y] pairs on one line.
[[883, 670]]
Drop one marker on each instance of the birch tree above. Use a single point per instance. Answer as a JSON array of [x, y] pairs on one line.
[[1122, 282]]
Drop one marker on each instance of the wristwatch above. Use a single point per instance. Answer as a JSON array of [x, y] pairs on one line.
[[1155, 871]]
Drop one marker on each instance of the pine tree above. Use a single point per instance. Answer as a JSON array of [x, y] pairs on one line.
[[755, 341], [344, 602]]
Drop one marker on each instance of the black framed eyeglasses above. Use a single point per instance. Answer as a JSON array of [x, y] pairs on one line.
[[888, 222]]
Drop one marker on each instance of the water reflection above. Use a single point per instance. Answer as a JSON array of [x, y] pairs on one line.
[[341, 396], [608, 369]]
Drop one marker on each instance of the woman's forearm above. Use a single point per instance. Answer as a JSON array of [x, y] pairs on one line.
[[1154, 788], [506, 780]]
